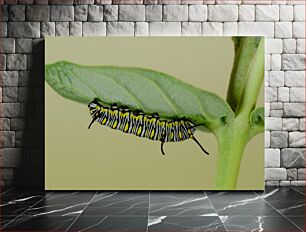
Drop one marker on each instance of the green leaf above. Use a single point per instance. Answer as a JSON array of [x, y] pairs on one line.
[[257, 117], [138, 88], [245, 49]]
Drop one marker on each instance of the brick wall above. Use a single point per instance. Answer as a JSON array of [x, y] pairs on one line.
[[25, 23]]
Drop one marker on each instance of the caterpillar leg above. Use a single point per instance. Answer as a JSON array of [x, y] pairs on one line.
[[93, 120], [162, 148], [200, 145]]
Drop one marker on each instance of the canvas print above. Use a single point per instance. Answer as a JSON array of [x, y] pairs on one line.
[[154, 113]]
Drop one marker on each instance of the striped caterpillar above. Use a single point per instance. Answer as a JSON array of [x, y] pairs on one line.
[[143, 125]]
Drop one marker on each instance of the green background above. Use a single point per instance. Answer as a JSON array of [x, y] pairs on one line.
[[101, 158]]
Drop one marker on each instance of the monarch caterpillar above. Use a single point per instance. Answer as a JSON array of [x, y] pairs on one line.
[[142, 125]]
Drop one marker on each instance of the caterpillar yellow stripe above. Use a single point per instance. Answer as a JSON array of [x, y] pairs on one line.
[[142, 125]]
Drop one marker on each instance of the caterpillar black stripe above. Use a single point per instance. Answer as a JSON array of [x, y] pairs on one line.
[[142, 125]]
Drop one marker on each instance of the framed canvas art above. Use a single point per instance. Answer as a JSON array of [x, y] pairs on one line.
[[154, 113]]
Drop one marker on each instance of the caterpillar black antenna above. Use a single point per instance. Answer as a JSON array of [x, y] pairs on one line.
[[200, 145]]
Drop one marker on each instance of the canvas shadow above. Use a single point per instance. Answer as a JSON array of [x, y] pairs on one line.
[[32, 138]]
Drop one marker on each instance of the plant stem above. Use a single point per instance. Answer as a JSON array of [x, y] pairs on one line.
[[231, 144], [233, 137]]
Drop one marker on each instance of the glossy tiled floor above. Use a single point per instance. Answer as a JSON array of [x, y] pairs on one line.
[[276, 209]]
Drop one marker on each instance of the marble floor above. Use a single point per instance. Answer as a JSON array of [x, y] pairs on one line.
[[276, 209]]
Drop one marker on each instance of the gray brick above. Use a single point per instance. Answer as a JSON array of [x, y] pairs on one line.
[[80, 12], [267, 138], [75, 29], [62, 28], [292, 174], [283, 29], [169, 2], [17, 12], [95, 13], [41, 2], [62, 13], [47, 29], [272, 182], [230, 28], [131, 13], [294, 109], [11, 157], [141, 29], [293, 61], [272, 123], [5, 124], [90, 2], [276, 105], [246, 13], [290, 124], [38, 13], [295, 78], [18, 123], [297, 94], [222, 13], [148, 2], [272, 158], [8, 138], [299, 13], [4, 15], [284, 183], [129, 2], [302, 124], [191, 29], [286, 13], [103, 2], [212, 28], [110, 13], [275, 174], [16, 62], [283, 94], [276, 113], [9, 94], [165, 28], [154, 13], [289, 45], [197, 13], [3, 32], [24, 29], [175, 13], [94, 28], [296, 139], [300, 46], [256, 28], [267, 13], [270, 94], [276, 78], [11, 109], [279, 139], [9, 78], [301, 174], [298, 30], [8, 45], [120, 28], [2, 62], [24, 45], [293, 157], [298, 183]]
